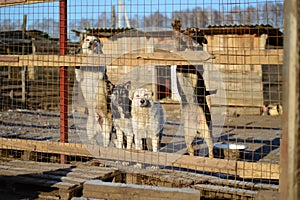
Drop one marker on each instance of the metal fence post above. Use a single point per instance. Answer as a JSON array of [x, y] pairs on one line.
[[63, 75]]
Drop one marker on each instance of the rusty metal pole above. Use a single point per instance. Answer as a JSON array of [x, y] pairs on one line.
[[63, 76]]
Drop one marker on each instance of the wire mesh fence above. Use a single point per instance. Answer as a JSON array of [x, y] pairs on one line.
[[163, 90]]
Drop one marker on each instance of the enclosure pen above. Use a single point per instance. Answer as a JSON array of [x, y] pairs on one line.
[[165, 99]]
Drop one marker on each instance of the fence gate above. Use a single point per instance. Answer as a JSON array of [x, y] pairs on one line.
[[121, 99]]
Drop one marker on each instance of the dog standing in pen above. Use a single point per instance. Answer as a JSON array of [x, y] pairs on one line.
[[95, 88], [121, 111], [196, 115], [148, 118]]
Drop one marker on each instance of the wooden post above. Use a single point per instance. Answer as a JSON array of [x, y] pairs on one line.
[[289, 152], [23, 77], [23, 33], [63, 73], [31, 68]]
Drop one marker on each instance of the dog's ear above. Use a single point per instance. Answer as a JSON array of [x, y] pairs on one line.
[[78, 50], [127, 85], [110, 86], [98, 41], [131, 93], [150, 93]]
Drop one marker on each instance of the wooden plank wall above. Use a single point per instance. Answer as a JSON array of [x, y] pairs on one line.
[[38, 92], [242, 80], [237, 85]]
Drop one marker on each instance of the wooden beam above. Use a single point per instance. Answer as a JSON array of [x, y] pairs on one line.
[[20, 2], [213, 165], [239, 168], [136, 59], [255, 57], [258, 170], [105, 190], [89, 151], [248, 57], [206, 164], [13, 59]]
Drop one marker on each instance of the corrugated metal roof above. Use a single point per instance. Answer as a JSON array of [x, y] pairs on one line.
[[132, 32], [106, 32], [107, 29], [209, 30], [240, 29], [240, 25]]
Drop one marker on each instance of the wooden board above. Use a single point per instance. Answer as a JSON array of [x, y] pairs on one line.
[[220, 192], [232, 100], [267, 194], [19, 2], [153, 158], [240, 168], [250, 57], [135, 59], [98, 189], [259, 170], [206, 164], [236, 110]]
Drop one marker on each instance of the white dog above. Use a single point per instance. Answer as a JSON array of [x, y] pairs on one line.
[[94, 86], [91, 45], [148, 118]]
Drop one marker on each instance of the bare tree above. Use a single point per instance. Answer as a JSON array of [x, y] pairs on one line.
[[236, 15], [156, 19], [278, 11], [216, 18], [9, 24]]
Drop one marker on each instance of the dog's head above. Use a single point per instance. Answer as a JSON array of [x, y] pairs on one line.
[[91, 45], [142, 97], [197, 35], [176, 25], [121, 103]]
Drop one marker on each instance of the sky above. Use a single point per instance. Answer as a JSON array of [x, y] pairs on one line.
[[91, 9]]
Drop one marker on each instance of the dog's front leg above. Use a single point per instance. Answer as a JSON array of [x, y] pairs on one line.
[[205, 132], [137, 135], [104, 126], [91, 127], [155, 142], [119, 133], [189, 118], [106, 130], [79, 75], [129, 140]]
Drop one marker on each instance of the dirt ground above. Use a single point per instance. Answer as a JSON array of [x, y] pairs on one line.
[[261, 134]]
